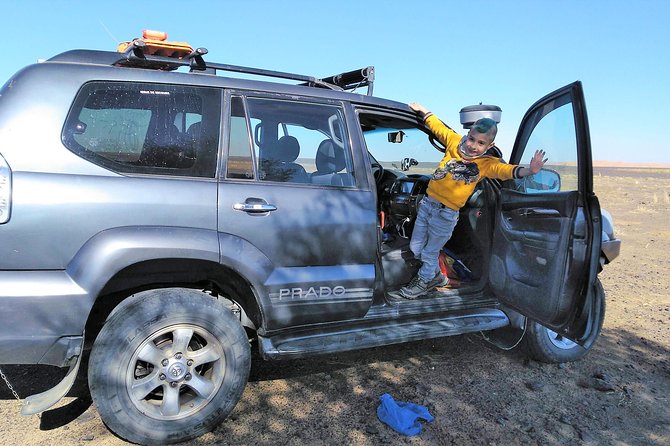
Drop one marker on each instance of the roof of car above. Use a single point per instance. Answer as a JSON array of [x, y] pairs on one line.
[[338, 86]]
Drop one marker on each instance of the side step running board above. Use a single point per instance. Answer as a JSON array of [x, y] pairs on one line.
[[356, 335]]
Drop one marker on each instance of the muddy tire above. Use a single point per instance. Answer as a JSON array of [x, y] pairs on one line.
[[168, 366]]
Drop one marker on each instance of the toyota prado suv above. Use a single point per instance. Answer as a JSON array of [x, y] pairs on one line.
[[157, 215]]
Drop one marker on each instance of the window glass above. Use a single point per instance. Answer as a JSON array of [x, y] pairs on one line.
[[399, 144], [146, 128], [414, 145], [554, 132], [184, 120], [240, 163], [300, 142]]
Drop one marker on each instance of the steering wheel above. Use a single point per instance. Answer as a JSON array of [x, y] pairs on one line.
[[437, 144], [377, 172]]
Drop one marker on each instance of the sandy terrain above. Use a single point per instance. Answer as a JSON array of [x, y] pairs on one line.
[[478, 394]]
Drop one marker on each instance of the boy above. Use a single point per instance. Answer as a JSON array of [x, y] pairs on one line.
[[463, 166]]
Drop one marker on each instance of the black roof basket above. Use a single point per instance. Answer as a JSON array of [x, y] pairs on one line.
[[134, 56]]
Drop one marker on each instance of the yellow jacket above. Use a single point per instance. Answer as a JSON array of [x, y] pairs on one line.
[[455, 178]]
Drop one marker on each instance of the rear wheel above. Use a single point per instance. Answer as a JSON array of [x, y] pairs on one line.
[[546, 345], [169, 365]]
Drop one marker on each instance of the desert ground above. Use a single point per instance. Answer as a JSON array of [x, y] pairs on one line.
[[478, 394]]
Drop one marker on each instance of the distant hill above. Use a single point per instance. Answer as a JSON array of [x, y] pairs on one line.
[[605, 163], [596, 163]]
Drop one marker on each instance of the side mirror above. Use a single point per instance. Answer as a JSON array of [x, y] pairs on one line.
[[545, 181], [396, 137], [406, 163]]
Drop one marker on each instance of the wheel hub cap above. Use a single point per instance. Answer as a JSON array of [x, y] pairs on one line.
[[176, 371]]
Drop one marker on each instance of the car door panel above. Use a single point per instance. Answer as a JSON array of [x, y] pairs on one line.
[[318, 241], [542, 261], [529, 254]]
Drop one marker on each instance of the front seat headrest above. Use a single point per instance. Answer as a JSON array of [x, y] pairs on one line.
[[329, 157], [287, 149]]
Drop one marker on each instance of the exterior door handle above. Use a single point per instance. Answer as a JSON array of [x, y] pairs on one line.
[[254, 208]]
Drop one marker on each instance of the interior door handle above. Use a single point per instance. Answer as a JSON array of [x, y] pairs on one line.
[[253, 208], [538, 212]]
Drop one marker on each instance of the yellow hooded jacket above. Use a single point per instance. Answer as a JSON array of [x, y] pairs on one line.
[[455, 178]]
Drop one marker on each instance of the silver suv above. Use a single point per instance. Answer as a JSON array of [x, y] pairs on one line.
[[158, 216]]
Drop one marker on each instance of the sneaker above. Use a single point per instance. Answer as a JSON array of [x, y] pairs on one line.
[[397, 296], [439, 280], [415, 288]]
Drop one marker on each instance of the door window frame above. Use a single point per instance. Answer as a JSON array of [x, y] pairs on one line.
[[354, 163]]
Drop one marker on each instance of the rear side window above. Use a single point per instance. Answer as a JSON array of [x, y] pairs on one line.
[[291, 142], [146, 128]]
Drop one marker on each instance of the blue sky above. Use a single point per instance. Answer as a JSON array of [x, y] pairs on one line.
[[443, 54]]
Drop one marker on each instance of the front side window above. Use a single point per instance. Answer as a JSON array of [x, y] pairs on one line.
[[552, 129], [146, 128], [398, 144], [292, 142]]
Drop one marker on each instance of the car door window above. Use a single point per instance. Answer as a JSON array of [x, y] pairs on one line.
[[391, 152], [555, 133], [240, 161], [293, 142], [144, 128]]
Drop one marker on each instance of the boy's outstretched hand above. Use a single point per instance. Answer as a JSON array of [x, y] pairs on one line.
[[538, 160]]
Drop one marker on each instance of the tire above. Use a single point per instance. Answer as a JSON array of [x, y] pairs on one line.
[[545, 345], [168, 366]]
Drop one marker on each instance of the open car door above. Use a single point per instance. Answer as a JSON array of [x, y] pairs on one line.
[[546, 243]]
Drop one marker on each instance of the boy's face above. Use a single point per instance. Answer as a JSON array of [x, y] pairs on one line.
[[475, 144]]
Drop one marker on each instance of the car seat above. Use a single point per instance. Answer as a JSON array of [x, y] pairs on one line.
[[278, 162], [167, 147], [329, 162]]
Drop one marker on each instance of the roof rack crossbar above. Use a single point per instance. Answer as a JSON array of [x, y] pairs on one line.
[[310, 80]]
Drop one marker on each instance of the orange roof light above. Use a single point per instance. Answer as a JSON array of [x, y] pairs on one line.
[[154, 35], [156, 44]]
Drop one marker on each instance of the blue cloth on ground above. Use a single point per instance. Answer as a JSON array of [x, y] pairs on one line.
[[402, 417]]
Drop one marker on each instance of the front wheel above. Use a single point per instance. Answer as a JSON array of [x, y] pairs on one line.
[[169, 365], [546, 345]]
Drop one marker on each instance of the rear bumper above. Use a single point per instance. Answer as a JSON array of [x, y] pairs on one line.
[[42, 317]]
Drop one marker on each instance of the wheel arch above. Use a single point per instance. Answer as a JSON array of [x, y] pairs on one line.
[[119, 262], [212, 278]]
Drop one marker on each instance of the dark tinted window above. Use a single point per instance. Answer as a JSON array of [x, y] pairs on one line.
[[146, 128]]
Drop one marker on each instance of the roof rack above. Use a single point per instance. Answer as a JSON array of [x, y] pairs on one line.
[[137, 54]]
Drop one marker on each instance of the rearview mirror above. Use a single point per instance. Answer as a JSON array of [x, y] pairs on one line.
[[396, 137]]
